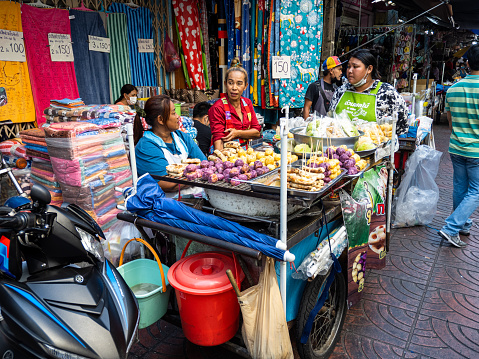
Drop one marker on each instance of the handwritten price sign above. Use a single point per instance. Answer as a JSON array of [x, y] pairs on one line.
[[146, 45], [11, 46], [281, 67], [96, 43], [60, 47]]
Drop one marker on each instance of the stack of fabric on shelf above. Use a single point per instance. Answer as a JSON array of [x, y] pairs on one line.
[[41, 166], [84, 113], [89, 160], [67, 103]]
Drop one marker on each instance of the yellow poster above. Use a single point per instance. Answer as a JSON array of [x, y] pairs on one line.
[[16, 103]]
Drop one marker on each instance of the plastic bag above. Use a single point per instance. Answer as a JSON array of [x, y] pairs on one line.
[[172, 59], [415, 201], [265, 330], [117, 237]]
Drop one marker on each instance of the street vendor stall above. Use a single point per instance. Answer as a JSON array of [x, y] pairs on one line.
[[303, 215]]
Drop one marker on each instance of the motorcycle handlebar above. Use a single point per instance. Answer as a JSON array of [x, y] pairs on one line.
[[18, 222]]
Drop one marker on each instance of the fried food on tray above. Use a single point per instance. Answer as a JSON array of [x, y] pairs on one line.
[[176, 168]]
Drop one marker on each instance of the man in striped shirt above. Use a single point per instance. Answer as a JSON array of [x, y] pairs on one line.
[[462, 106]]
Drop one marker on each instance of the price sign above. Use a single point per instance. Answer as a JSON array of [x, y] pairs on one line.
[[60, 47], [12, 47], [146, 45], [96, 43], [281, 67]]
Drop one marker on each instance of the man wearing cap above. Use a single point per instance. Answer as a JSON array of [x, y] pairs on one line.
[[319, 93]]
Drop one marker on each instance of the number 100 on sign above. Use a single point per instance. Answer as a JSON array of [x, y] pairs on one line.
[[11, 46], [281, 67]]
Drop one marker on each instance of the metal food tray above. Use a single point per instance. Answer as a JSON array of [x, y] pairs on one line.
[[257, 185]]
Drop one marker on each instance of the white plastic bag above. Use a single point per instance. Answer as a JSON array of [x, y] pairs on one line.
[[415, 201], [116, 238]]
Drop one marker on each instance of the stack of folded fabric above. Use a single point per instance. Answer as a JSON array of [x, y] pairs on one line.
[[67, 103], [89, 160], [41, 167], [120, 112]]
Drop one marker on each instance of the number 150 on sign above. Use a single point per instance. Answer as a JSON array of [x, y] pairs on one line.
[[281, 67]]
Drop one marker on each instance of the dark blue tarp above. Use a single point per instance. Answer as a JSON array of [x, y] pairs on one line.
[[91, 67], [150, 203]]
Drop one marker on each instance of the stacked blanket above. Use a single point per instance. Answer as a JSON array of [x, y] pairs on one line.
[[41, 167], [89, 160]]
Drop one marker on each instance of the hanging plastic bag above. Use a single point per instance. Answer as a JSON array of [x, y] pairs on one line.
[[172, 59], [265, 330], [116, 238], [415, 201]]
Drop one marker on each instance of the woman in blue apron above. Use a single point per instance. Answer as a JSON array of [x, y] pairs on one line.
[[365, 97], [164, 144], [232, 118]]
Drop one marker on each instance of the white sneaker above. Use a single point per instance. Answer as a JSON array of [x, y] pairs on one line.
[[454, 240]]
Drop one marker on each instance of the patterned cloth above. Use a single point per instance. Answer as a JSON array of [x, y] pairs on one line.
[[187, 18], [388, 100], [300, 38], [205, 32]]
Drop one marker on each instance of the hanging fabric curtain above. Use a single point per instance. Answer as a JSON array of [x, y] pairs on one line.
[[139, 20], [206, 37], [49, 80], [230, 26], [93, 84], [277, 28], [14, 76], [120, 73], [237, 26], [223, 45], [187, 18], [301, 29]]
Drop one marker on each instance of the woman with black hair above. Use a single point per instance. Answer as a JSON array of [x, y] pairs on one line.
[[365, 97], [128, 96]]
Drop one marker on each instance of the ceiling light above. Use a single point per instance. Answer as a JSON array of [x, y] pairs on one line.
[[474, 42]]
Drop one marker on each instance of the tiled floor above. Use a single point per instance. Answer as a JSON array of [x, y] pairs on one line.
[[424, 304]]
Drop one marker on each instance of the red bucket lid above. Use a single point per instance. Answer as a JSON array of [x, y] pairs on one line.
[[203, 273]]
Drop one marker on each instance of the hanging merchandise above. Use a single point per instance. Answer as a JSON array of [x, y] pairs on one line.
[[230, 26], [48, 79], [213, 42], [93, 84], [237, 22], [222, 46], [301, 31], [172, 59], [139, 20], [203, 12], [277, 48], [120, 71], [186, 13], [245, 44], [16, 97], [402, 52]]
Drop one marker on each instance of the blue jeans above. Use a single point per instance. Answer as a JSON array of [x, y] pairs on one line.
[[465, 196]]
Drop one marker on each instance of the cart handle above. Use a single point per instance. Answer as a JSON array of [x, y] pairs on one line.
[[163, 282]]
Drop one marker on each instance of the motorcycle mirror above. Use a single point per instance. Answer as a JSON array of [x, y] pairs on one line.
[[40, 194]]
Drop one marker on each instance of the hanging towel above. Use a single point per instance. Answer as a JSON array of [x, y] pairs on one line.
[[246, 29], [230, 25], [206, 37], [14, 76], [120, 73], [139, 20], [93, 84], [187, 18], [48, 79], [301, 39]]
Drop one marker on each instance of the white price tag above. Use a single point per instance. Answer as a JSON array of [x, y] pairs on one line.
[[60, 47], [96, 43], [12, 47], [281, 67], [146, 45]]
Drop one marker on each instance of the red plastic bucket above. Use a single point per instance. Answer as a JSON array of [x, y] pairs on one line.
[[208, 305]]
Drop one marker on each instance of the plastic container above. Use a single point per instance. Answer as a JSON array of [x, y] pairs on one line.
[[153, 304], [208, 305], [178, 109]]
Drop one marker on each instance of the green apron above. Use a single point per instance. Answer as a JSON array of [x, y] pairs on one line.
[[359, 105]]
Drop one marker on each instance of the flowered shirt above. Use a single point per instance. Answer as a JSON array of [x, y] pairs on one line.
[[388, 100]]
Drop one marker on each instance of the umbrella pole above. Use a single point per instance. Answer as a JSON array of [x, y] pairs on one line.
[[391, 180], [131, 145], [284, 199]]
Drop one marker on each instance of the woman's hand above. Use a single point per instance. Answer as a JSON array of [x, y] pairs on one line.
[[232, 133]]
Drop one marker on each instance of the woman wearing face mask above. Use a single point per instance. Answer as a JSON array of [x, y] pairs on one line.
[[365, 97], [128, 96], [164, 144], [232, 118]]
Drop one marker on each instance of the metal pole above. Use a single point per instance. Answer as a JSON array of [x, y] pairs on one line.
[[284, 199], [391, 179], [413, 110], [442, 77], [395, 28], [131, 145]]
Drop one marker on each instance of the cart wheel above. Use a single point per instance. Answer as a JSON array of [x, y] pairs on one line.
[[329, 320]]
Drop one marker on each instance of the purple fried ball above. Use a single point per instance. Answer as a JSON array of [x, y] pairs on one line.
[[260, 171], [220, 170], [253, 174], [191, 168], [349, 153], [336, 157], [352, 170], [243, 177], [213, 178], [227, 164], [326, 179], [199, 173], [206, 174], [211, 163], [327, 173], [266, 169], [239, 163], [219, 165], [204, 164], [340, 151], [185, 172], [235, 182], [234, 172], [220, 176], [343, 158], [248, 175], [257, 164], [330, 152], [323, 165], [217, 160], [226, 172], [245, 168], [191, 176]]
